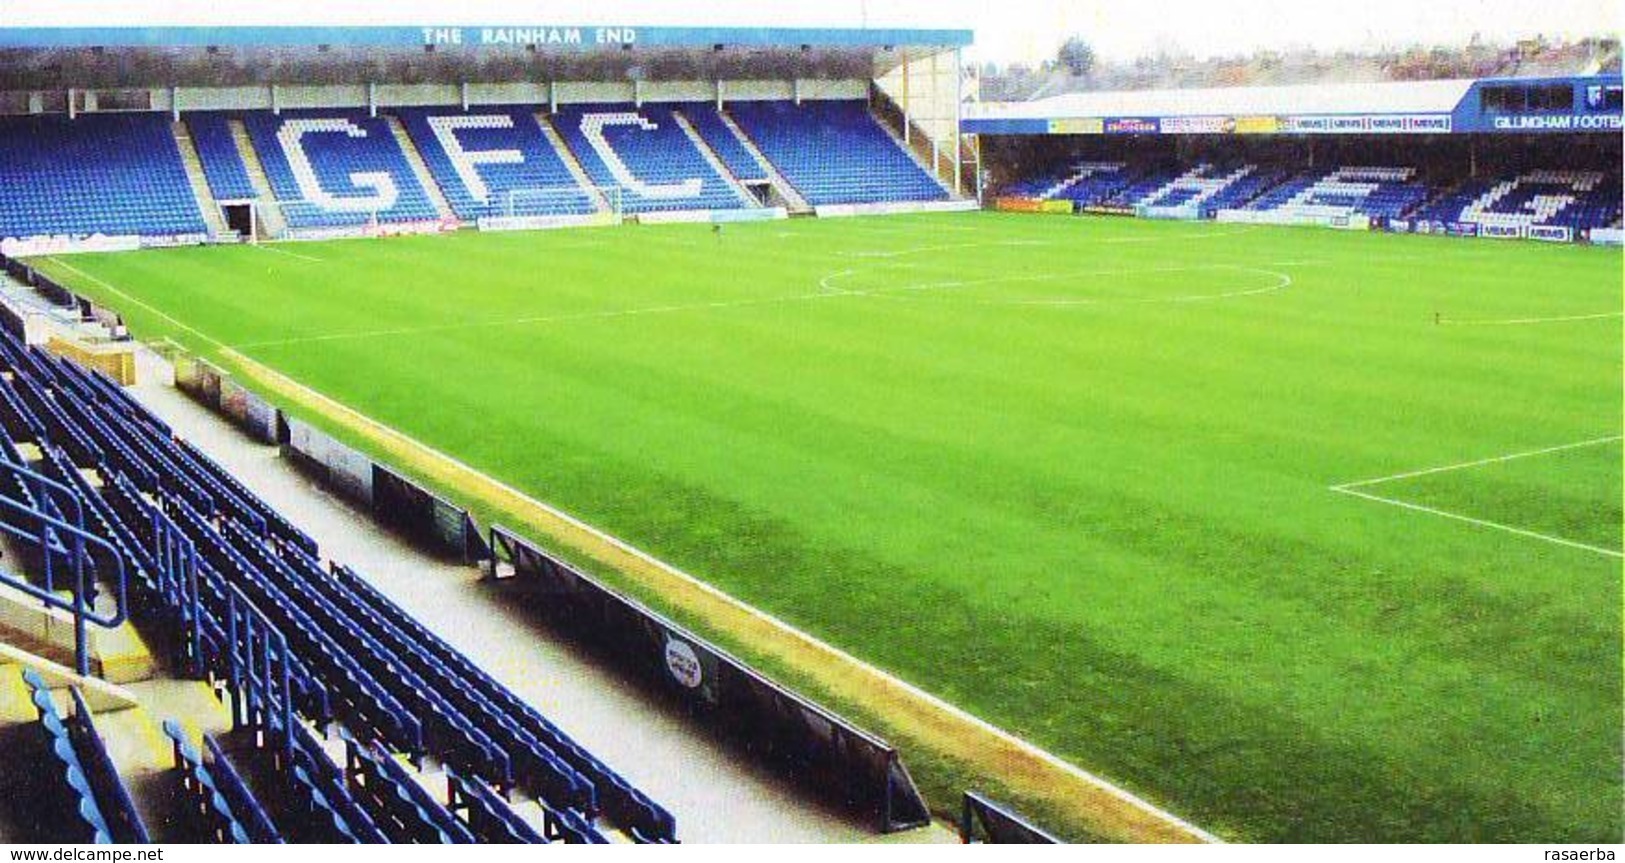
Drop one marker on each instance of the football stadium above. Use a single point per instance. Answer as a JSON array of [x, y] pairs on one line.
[[625, 432]]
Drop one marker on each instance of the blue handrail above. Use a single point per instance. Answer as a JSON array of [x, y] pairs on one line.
[[51, 529], [259, 670]]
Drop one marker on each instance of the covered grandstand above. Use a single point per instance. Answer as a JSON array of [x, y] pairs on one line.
[[472, 527], [1522, 157], [342, 716], [408, 129]]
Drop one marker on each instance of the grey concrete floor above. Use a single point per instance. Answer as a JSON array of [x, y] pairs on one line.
[[716, 794]]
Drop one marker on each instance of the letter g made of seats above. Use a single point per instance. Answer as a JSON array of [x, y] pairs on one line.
[[381, 186]]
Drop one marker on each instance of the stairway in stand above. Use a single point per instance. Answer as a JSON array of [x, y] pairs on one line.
[[712, 159], [556, 141], [793, 200], [268, 215], [420, 169], [212, 216]]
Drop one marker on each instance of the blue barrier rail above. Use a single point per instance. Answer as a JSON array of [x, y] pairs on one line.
[[259, 671], [52, 531]]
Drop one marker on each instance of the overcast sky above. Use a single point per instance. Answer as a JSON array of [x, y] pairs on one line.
[[1005, 29]]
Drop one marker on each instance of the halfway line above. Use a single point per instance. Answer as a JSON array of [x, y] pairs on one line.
[[1508, 322]]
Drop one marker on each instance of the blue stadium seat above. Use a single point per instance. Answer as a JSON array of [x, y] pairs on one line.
[[337, 168], [202, 548], [483, 157], [834, 152], [67, 790], [1385, 192], [646, 154], [209, 806], [1580, 200], [216, 149], [406, 812], [109, 174], [708, 122]]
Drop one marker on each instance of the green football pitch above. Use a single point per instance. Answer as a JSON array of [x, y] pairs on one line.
[[1307, 535]]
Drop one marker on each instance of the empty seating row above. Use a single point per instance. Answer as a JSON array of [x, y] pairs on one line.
[[1378, 192], [714, 129], [250, 601], [411, 814], [494, 162], [79, 795], [835, 152], [623, 802], [223, 166], [1195, 187], [337, 168], [645, 153], [1562, 198], [215, 804], [1580, 200], [123, 175], [113, 174]]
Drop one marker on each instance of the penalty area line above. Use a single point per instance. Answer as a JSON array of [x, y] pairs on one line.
[[1456, 516], [270, 248], [1353, 489], [1477, 462]]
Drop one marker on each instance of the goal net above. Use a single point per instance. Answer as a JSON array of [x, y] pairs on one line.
[[561, 201], [257, 220]]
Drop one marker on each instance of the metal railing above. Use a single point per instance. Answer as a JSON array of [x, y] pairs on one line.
[[58, 538]]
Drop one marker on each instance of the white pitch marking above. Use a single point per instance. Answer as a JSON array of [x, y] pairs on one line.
[[538, 319], [270, 248], [918, 250], [1477, 462], [1021, 743], [1512, 322], [1610, 552], [1157, 238], [1350, 488], [1283, 281], [160, 313]]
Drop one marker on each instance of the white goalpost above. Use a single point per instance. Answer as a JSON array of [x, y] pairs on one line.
[[513, 209], [560, 201], [268, 220]]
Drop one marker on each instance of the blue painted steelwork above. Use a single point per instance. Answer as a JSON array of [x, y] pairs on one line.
[[515, 34], [58, 538], [1592, 106]]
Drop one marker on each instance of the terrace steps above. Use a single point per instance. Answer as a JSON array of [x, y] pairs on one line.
[[268, 216], [792, 198], [556, 141], [126, 720], [913, 154], [116, 655], [420, 169], [711, 159], [212, 217]]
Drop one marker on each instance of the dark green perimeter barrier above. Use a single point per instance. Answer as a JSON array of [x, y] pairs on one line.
[[214, 389], [981, 820], [56, 293], [417, 512], [394, 500], [808, 742]]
